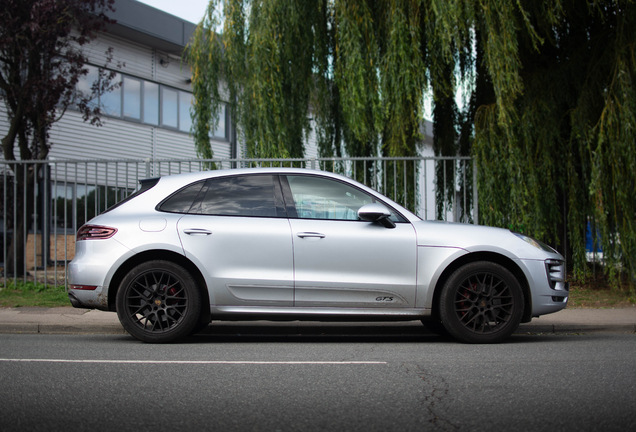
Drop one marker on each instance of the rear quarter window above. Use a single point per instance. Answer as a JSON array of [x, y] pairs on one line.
[[182, 200], [144, 185]]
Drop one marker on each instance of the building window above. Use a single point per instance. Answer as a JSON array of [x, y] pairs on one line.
[[132, 98], [185, 102], [148, 102], [169, 107], [85, 85], [111, 102], [221, 127], [151, 103]]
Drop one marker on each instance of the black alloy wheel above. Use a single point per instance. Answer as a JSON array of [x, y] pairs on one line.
[[158, 302], [481, 302]]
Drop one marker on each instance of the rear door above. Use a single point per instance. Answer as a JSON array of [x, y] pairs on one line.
[[236, 231]]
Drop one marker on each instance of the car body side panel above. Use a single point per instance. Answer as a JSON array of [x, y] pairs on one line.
[[432, 261], [355, 264], [96, 261], [246, 260]]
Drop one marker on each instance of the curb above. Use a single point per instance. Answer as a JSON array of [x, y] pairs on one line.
[[524, 329], [36, 328], [575, 328]]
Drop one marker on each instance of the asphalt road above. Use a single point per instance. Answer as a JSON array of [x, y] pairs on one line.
[[331, 382]]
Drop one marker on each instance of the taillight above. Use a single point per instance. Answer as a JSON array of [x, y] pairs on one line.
[[95, 232]]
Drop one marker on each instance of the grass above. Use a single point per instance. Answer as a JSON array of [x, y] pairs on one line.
[[597, 292], [591, 293], [23, 294]]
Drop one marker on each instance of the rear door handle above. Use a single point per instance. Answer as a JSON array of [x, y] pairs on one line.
[[197, 231], [310, 235]]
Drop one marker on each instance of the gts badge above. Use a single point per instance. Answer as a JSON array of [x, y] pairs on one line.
[[384, 299]]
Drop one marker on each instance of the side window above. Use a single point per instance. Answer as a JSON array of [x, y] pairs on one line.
[[319, 198], [253, 195], [181, 202]]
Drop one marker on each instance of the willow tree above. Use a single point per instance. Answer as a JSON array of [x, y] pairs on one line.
[[548, 107]]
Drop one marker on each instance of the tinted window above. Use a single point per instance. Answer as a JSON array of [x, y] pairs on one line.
[[181, 202], [319, 198], [144, 185], [240, 196]]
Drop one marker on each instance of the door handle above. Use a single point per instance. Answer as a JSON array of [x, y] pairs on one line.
[[197, 231], [310, 235]]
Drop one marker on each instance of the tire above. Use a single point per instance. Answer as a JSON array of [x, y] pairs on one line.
[[158, 302], [481, 302]]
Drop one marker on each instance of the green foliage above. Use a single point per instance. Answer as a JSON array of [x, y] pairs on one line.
[[564, 142], [262, 67], [548, 110]]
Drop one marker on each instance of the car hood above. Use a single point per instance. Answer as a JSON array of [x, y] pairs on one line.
[[477, 238]]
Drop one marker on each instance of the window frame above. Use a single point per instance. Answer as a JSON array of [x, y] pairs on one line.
[[195, 207], [223, 119], [291, 203]]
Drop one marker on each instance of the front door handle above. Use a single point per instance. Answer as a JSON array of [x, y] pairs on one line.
[[197, 231], [310, 235]]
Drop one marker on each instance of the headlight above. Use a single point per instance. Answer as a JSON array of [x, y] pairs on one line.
[[535, 243]]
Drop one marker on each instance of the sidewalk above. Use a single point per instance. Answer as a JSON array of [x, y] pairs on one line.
[[68, 320]]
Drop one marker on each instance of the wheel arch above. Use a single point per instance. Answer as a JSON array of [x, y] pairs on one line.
[[496, 258], [151, 255]]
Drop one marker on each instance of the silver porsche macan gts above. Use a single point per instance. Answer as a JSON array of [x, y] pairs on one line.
[[297, 244]]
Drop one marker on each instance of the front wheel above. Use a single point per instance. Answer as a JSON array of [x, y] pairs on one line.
[[158, 301], [481, 302]]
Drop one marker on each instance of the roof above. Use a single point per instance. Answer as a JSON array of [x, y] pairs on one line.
[[144, 24]]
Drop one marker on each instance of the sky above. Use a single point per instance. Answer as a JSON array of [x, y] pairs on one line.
[[190, 10]]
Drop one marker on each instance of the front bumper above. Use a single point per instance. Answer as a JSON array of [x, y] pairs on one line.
[[550, 291]]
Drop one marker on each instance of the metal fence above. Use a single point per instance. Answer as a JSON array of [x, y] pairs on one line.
[[45, 202]]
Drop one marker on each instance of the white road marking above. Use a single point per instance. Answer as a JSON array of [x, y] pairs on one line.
[[228, 362]]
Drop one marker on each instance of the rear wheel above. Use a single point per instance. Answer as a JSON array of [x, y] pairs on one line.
[[481, 302], [158, 301]]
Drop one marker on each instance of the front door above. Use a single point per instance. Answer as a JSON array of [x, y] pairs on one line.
[[340, 261]]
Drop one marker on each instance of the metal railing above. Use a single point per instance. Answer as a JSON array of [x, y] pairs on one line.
[[45, 202]]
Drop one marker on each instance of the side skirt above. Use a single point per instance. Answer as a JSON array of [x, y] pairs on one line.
[[271, 313]]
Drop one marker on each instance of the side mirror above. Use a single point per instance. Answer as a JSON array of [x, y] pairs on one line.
[[376, 212]]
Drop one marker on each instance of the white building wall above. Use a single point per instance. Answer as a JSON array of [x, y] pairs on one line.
[[135, 59], [172, 71], [72, 138]]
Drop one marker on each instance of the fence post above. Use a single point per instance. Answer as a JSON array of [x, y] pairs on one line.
[[313, 163], [147, 167], [475, 197]]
